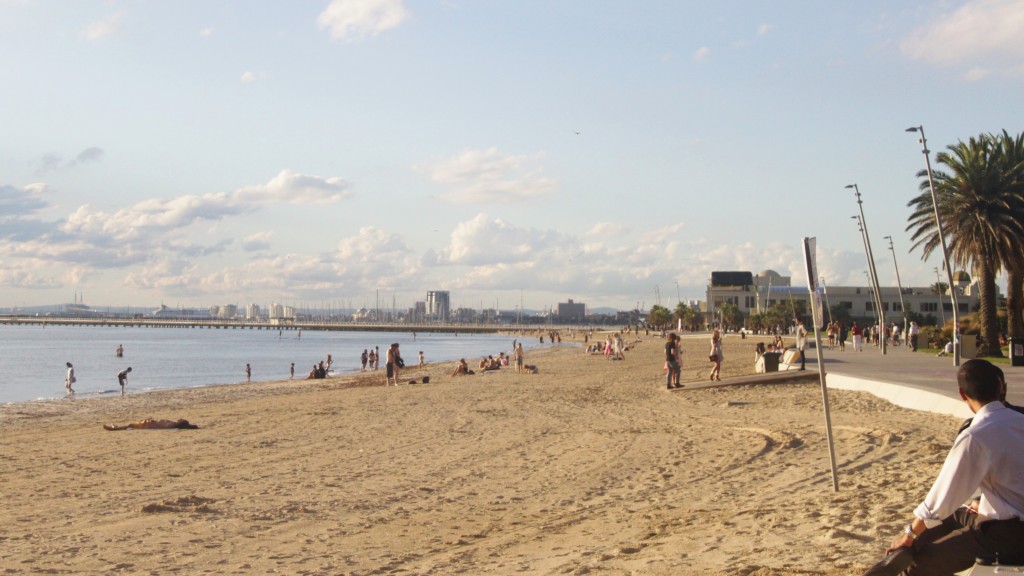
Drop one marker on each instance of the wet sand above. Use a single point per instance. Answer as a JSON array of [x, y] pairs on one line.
[[588, 467]]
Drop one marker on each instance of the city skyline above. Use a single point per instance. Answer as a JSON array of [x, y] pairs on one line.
[[610, 154]]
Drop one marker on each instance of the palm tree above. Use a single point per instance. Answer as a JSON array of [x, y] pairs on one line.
[[981, 218], [1012, 156]]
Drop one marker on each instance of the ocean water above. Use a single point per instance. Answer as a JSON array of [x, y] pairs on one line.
[[32, 358]]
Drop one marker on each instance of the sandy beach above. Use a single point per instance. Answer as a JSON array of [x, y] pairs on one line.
[[589, 466]]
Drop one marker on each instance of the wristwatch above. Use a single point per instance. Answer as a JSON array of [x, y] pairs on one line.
[[909, 531]]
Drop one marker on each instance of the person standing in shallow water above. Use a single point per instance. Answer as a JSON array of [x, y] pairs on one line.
[[70, 379], [122, 378]]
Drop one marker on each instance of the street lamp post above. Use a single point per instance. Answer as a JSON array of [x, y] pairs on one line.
[[942, 242], [871, 265], [867, 273], [903, 306]]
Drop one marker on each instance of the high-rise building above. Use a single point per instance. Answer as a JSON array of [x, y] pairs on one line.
[[571, 311], [438, 305]]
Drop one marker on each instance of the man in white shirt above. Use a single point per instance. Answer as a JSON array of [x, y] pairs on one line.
[[801, 343], [945, 537]]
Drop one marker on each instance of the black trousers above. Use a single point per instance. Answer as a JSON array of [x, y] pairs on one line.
[[953, 546]]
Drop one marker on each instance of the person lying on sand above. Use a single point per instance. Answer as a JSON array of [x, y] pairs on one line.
[[150, 424]]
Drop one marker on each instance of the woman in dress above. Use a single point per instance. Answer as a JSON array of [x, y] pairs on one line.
[[716, 355]]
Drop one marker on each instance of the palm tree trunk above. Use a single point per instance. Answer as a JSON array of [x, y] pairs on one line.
[[1015, 301], [987, 305]]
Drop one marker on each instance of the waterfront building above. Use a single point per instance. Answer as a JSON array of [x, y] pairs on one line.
[[754, 293]]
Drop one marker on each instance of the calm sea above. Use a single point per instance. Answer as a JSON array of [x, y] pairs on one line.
[[32, 358]]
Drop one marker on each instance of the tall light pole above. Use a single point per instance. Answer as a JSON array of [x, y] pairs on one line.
[[899, 285], [867, 273], [942, 242], [872, 272], [678, 299]]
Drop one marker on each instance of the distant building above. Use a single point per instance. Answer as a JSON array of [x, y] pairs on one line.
[[754, 293], [252, 312], [438, 306], [571, 311], [419, 312]]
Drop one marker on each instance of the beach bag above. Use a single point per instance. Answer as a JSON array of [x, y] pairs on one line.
[[713, 357], [400, 362]]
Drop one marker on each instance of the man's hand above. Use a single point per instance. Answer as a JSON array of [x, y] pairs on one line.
[[901, 541]]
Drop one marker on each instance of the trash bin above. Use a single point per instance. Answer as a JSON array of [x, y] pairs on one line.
[[1016, 351], [771, 361]]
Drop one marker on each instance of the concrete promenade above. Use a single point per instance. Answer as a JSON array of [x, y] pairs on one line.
[[918, 380]]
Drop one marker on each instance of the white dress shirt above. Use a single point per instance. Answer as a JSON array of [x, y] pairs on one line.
[[989, 455]]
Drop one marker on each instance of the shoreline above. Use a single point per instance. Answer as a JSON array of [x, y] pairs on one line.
[[588, 466]]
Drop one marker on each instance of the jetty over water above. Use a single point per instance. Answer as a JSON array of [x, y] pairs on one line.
[[218, 324]]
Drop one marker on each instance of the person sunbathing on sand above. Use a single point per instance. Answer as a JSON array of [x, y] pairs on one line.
[[150, 424], [461, 369]]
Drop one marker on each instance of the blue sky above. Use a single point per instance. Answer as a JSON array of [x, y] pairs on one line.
[[195, 153]]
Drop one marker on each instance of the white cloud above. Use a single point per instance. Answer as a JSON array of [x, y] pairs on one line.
[[53, 163], [206, 32], [352, 20], [104, 28], [19, 202], [607, 230], [371, 259], [248, 77], [257, 242], [979, 33], [764, 29], [292, 188], [701, 54], [488, 176]]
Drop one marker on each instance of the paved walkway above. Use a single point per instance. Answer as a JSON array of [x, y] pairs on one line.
[[918, 380]]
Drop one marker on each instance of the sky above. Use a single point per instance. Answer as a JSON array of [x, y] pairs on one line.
[[350, 152]]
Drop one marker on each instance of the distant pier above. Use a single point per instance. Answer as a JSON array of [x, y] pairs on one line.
[[215, 324]]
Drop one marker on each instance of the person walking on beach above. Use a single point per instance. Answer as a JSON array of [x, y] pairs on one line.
[[122, 378], [422, 362], [945, 537], [70, 379], [520, 357], [672, 362], [363, 359], [393, 363], [716, 355], [291, 371], [376, 357], [248, 372]]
